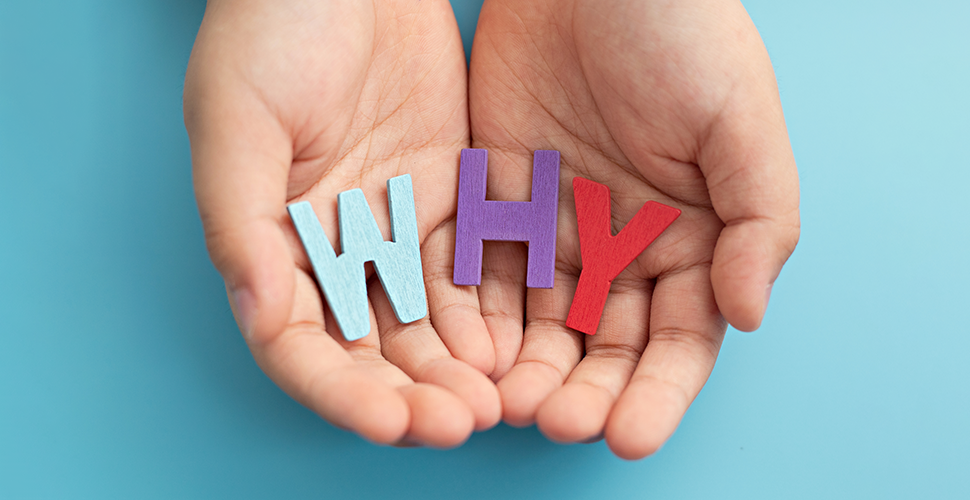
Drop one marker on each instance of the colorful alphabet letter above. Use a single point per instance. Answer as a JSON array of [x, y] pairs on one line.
[[604, 255], [397, 262], [533, 221]]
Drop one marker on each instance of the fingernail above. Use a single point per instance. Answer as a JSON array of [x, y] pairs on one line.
[[244, 306]]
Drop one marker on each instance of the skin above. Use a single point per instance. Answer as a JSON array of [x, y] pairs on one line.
[[673, 101], [659, 100], [301, 100]]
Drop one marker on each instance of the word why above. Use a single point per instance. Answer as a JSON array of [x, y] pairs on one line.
[[398, 262]]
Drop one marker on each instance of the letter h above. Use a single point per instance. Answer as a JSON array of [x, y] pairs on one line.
[[398, 263], [533, 221]]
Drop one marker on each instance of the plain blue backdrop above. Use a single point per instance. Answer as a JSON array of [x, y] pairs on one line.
[[122, 373]]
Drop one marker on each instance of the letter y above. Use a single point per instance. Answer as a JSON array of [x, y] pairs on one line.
[[604, 255]]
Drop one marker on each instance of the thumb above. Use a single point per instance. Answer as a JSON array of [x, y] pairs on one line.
[[753, 182], [240, 162]]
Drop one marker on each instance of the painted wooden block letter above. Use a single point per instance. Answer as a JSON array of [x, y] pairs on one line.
[[604, 255], [397, 262], [532, 221]]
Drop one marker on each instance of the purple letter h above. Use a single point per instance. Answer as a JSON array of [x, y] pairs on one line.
[[533, 221]]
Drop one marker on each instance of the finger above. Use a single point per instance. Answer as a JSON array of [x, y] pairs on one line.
[[550, 350], [314, 369], [502, 298], [577, 411], [240, 158], [454, 310], [439, 418], [686, 331], [753, 182], [418, 351]]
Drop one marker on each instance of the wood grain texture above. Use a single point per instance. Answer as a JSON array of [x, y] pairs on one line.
[[532, 221], [604, 255], [397, 262]]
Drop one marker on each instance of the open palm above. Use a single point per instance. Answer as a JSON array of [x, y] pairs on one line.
[[668, 101], [301, 100]]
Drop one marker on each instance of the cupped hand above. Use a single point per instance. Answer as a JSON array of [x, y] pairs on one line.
[[659, 100], [297, 100]]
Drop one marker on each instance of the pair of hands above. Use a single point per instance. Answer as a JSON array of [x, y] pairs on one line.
[[659, 100]]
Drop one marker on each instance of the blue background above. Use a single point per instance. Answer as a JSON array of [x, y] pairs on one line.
[[122, 373]]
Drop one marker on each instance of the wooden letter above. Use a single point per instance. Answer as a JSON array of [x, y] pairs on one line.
[[604, 255], [398, 263], [533, 221]]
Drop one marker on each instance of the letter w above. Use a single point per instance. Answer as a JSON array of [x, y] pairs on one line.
[[397, 262]]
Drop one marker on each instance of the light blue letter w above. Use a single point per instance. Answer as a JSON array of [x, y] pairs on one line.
[[398, 262]]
